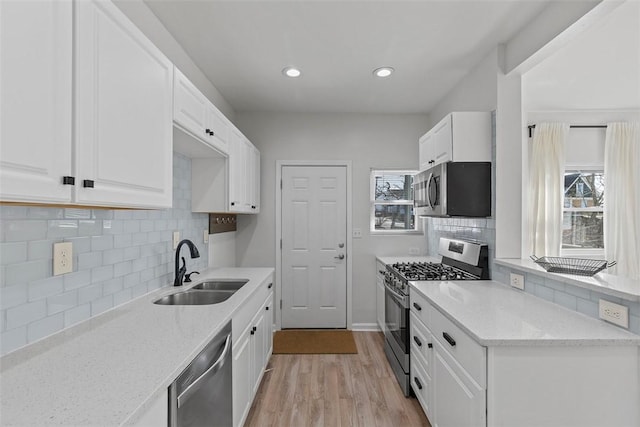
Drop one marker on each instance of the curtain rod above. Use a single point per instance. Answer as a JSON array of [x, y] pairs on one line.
[[531, 127]]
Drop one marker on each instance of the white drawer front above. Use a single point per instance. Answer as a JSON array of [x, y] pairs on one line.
[[421, 342], [421, 308], [468, 353], [422, 386]]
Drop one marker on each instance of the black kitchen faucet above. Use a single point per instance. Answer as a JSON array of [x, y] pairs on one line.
[[181, 271]]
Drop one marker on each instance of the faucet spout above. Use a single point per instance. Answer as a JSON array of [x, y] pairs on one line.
[[180, 271]]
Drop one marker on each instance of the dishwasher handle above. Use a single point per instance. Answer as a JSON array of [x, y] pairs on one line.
[[193, 387]]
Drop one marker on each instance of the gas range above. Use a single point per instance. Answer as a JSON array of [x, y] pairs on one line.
[[461, 260]]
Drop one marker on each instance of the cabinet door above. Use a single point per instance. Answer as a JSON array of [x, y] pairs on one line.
[[268, 330], [425, 151], [442, 141], [218, 132], [35, 102], [242, 378], [189, 106], [380, 300], [124, 112], [458, 400], [258, 350], [254, 198]]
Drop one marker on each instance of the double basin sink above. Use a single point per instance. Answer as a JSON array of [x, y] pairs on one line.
[[208, 292]]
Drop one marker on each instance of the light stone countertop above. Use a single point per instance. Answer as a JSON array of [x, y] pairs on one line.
[[608, 284], [109, 369], [495, 314]]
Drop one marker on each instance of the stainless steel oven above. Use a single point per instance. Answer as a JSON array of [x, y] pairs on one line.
[[396, 330]]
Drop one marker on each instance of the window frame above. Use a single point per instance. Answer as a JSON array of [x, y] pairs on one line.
[[417, 230], [583, 252]]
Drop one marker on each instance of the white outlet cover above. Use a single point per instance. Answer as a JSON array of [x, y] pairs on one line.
[[614, 313], [176, 239], [357, 233], [517, 281], [62, 258]]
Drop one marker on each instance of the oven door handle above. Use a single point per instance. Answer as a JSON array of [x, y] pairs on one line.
[[427, 190], [401, 299]]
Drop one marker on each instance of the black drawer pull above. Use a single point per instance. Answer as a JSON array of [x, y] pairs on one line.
[[417, 340], [253, 332], [255, 328], [68, 180], [270, 285], [430, 345], [267, 308], [418, 383], [87, 183], [450, 340], [417, 306]]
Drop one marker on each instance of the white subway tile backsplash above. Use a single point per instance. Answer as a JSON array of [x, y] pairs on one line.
[[45, 327], [62, 302], [77, 314], [118, 255], [11, 296], [46, 287], [587, 307], [26, 313], [13, 339], [566, 300], [13, 252]]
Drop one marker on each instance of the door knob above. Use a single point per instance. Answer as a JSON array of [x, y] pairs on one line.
[[341, 256]]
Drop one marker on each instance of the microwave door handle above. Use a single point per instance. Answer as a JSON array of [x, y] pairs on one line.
[[427, 190]]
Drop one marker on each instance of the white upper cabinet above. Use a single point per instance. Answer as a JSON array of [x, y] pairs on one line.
[[195, 114], [35, 101], [460, 137], [244, 175], [123, 112], [121, 151]]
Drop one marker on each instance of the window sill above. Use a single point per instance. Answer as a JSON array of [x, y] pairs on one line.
[[608, 284], [396, 233]]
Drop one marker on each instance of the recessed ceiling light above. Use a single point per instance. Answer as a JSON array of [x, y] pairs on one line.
[[383, 72], [291, 72]]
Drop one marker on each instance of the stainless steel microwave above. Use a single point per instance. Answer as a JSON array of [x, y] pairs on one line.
[[454, 189]]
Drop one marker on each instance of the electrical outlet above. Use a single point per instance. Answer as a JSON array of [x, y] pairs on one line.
[[357, 233], [414, 251], [62, 258], [517, 281], [176, 239], [205, 236], [614, 313]]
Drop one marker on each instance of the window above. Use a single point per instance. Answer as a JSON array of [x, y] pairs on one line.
[[583, 211], [392, 201]]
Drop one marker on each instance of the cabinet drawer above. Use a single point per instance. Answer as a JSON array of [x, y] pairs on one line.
[[421, 342], [244, 314], [421, 308], [422, 386], [468, 353]]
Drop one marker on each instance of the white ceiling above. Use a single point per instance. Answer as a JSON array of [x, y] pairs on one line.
[[600, 70], [242, 46]]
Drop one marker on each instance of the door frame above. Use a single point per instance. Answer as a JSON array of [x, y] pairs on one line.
[[278, 291]]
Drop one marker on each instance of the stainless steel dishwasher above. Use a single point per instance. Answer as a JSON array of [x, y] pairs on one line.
[[202, 393]]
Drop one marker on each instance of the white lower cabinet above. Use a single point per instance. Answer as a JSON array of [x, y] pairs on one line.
[[251, 351], [460, 383], [380, 268]]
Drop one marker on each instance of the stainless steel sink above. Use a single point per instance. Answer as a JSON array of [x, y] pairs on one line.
[[194, 297], [227, 285]]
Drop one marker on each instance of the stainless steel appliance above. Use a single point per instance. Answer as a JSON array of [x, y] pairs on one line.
[[202, 393], [454, 189], [461, 260]]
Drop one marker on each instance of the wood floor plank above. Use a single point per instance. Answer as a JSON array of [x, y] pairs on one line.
[[334, 390]]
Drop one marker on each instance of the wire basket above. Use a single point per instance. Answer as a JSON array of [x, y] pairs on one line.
[[577, 266]]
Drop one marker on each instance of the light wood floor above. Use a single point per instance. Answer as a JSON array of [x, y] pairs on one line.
[[334, 390]]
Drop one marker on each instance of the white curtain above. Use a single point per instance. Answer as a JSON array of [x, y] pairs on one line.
[[546, 188], [622, 198]]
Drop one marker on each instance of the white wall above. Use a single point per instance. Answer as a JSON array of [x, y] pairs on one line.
[[369, 141], [150, 25]]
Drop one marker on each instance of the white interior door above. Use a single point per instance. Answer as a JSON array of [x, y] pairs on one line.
[[314, 231]]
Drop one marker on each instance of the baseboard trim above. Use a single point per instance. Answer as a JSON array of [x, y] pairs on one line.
[[365, 327]]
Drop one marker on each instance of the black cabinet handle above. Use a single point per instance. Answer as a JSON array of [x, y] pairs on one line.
[[253, 207], [270, 286], [267, 308], [233, 203], [418, 383], [68, 180], [450, 340], [430, 345], [209, 131], [417, 340], [253, 332], [87, 183], [417, 306], [255, 328]]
